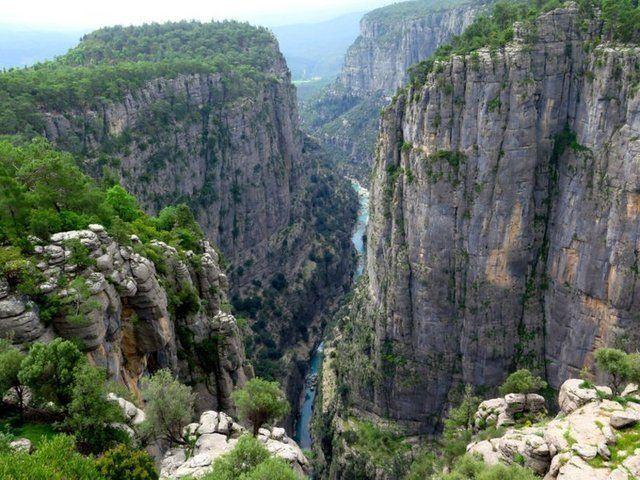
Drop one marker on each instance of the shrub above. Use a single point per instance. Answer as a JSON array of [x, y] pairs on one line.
[[169, 406], [468, 468], [260, 401], [123, 463], [55, 459], [272, 469], [616, 364], [247, 454], [522, 381]]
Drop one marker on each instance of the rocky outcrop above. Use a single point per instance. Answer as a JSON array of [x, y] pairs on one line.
[[503, 229], [345, 116], [582, 443], [216, 434], [122, 308], [500, 412]]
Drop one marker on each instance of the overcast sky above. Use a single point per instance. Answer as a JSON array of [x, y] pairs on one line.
[[82, 14]]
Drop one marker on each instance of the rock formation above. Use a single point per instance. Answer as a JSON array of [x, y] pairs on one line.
[[345, 116], [216, 434], [122, 308], [503, 229], [586, 440]]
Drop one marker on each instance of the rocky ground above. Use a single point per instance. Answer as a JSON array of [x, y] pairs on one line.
[[592, 437]]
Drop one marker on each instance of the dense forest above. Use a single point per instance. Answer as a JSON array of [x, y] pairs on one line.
[[112, 61]]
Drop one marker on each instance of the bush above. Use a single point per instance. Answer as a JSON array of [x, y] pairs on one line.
[[169, 406], [247, 454], [55, 459], [122, 463], [260, 401], [250, 460], [272, 469], [616, 364], [468, 468], [522, 381]]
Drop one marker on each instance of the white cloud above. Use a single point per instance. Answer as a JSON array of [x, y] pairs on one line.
[[95, 13]]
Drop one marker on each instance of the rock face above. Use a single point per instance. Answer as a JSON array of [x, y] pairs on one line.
[[216, 434], [391, 39], [503, 228], [117, 304], [575, 445]]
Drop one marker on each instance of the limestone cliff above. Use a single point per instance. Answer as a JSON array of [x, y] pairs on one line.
[[504, 221], [391, 39], [133, 316]]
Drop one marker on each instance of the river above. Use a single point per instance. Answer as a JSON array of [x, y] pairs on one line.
[[303, 426]]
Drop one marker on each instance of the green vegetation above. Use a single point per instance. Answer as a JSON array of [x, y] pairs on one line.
[[522, 381], [469, 468], [122, 463], [42, 191], [494, 30], [250, 460], [110, 62], [59, 376], [621, 367], [402, 11], [169, 407], [260, 402], [56, 459]]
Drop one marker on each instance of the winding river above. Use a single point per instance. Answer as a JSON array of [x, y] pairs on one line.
[[303, 426]]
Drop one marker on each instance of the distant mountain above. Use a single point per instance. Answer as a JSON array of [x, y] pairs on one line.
[[318, 49], [22, 46]]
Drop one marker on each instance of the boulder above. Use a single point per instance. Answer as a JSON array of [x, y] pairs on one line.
[[624, 418], [573, 394], [21, 445]]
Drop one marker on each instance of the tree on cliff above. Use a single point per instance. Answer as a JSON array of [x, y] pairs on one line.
[[49, 370], [169, 406], [522, 381], [260, 401]]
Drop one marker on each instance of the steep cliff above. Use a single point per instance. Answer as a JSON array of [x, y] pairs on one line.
[[205, 114], [391, 39], [133, 316], [504, 221]]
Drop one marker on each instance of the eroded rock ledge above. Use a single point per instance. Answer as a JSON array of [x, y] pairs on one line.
[[118, 304]]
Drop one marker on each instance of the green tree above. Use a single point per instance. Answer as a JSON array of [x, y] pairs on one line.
[[169, 406], [522, 381], [90, 414], [10, 362], [123, 203], [260, 401], [615, 363], [123, 463], [49, 370], [458, 426]]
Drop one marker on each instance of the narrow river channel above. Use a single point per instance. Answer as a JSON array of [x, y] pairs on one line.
[[303, 426]]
